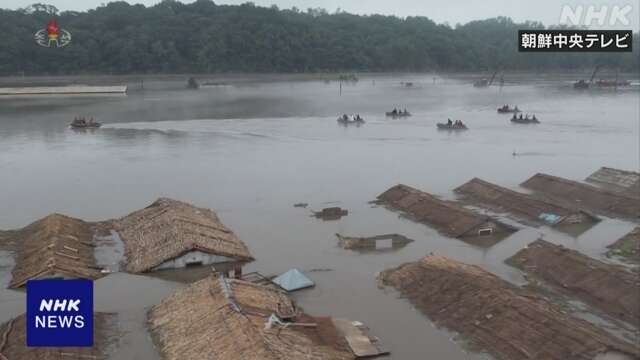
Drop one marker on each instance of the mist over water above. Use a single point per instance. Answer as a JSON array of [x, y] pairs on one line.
[[251, 150]]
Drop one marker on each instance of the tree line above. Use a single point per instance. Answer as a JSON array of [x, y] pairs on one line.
[[203, 37]]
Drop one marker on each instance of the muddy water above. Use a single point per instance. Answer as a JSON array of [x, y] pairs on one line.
[[252, 150]]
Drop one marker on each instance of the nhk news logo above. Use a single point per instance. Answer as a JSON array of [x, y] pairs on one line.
[[60, 313]]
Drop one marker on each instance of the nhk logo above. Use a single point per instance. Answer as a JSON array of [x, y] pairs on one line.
[[60, 313]]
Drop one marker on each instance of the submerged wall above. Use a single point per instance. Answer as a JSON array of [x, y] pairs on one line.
[[194, 258]]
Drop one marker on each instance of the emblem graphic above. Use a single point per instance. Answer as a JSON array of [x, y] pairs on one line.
[[52, 36]]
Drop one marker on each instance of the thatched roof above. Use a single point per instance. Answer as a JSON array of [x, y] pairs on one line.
[[584, 196], [611, 288], [495, 316], [56, 244], [168, 229], [616, 179], [226, 318], [628, 246], [13, 341], [447, 217], [521, 205]]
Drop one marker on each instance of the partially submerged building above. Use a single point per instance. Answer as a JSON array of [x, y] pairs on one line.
[[171, 234], [585, 196], [13, 341], [374, 243], [235, 319], [445, 216], [617, 180], [610, 288], [523, 206], [493, 315], [627, 247], [56, 246]]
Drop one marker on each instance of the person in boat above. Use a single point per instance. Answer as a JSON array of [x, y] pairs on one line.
[[395, 111], [521, 118], [516, 109], [405, 112], [358, 118], [526, 117], [515, 117], [534, 118], [449, 122]]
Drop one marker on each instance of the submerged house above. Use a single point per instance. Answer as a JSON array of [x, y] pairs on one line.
[[506, 321], [56, 246], [627, 247], [608, 287], [617, 180], [585, 196], [235, 319], [13, 341], [172, 234], [521, 205], [447, 217]]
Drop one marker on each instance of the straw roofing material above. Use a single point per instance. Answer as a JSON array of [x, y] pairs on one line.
[[616, 179], [522, 205], [507, 321], [13, 342], [168, 229], [447, 217], [55, 245], [225, 319], [585, 196], [610, 288], [628, 246]]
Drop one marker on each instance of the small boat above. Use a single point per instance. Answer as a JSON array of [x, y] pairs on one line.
[[398, 114], [517, 120], [508, 110], [84, 124], [481, 83], [452, 127], [348, 120], [581, 85]]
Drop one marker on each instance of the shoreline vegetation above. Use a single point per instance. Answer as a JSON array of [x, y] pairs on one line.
[[204, 38]]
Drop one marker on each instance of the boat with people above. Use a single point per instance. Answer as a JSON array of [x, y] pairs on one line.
[[351, 119], [452, 125], [83, 123], [506, 109], [398, 113], [524, 119]]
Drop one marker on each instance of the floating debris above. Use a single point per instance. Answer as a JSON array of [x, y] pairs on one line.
[[361, 342], [506, 321]]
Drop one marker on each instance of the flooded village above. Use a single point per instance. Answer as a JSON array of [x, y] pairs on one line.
[[243, 221]]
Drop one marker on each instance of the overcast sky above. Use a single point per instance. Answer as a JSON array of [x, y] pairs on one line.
[[451, 11]]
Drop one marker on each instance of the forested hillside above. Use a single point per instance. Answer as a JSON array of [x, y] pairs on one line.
[[203, 37]]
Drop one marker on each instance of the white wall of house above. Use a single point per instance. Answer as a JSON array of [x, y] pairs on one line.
[[193, 258]]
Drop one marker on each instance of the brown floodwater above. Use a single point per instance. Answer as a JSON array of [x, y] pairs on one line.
[[252, 149]]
